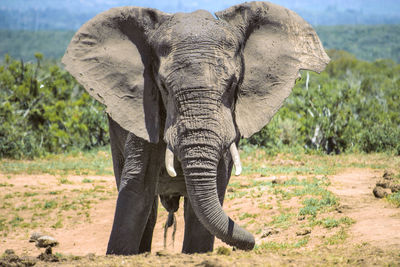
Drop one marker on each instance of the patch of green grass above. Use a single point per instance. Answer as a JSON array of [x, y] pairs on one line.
[[97, 161], [64, 180], [87, 180], [308, 210], [272, 245], [58, 224], [282, 220], [8, 196], [16, 221], [65, 206], [322, 198], [282, 192], [50, 204], [223, 251], [337, 238], [330, 222], [301, 243], [313, 205], [270, 170], [5, 184], [346, 221], [265, 206], [6, 205], [246, 215], [22, 207], [3, 224], [394, 198], [295, 187], [235, 194], [260, 161], [30, 194]]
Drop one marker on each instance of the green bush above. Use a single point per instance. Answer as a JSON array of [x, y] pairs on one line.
[[352, 105], [43, 109]]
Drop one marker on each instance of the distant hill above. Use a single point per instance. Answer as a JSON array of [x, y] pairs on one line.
[[22, 44], [365, 42], [70, 14]]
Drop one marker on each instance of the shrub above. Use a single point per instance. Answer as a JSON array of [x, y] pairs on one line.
[[43, 109]]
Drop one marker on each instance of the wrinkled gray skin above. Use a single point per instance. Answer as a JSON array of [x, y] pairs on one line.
[[195, 84]]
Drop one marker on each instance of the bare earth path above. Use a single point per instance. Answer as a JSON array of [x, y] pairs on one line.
[[376, 221]]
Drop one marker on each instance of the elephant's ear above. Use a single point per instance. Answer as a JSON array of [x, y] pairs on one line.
[[277, 44], [110, 56]]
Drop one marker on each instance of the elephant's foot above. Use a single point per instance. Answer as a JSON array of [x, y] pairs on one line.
[[132, 233], [197, 239]]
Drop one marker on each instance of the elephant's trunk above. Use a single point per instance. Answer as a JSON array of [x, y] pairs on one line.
[[200, 155]]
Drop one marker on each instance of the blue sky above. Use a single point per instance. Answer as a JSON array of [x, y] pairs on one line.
[[317, 12]]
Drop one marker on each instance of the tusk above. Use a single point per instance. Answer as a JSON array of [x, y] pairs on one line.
[[169, 162], [236, 159]]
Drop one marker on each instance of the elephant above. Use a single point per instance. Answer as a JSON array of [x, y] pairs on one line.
[[180, 91]]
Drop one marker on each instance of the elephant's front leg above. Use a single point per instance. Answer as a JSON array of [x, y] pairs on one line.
[[197, 238], [136, 208]]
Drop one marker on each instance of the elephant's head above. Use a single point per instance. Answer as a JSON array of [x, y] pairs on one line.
[[197, 82]]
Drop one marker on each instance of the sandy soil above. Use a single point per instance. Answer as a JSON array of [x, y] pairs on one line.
[[377, 223]]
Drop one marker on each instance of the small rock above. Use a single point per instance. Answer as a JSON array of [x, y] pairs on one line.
[[341, 208], [162, 253], [9, 252], [268, 232], [34, 236], [380, 192], [279, 181], [304, 231], [46, 241], [209, 263]]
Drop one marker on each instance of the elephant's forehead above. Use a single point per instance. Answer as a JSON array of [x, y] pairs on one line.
[[197, 26]]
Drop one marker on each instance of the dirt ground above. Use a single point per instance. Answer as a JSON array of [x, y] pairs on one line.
[[376, 221], [373, 238]]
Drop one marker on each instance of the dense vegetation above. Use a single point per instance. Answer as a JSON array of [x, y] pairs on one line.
[[43, 109], [365, 42], [352, 106]]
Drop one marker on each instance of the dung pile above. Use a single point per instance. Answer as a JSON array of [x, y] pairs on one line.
[[10, 259], [386, 186]]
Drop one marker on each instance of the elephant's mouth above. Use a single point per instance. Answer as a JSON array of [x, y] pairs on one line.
[[169, 160]]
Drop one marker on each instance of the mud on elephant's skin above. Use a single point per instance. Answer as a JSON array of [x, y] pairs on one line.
[[180, 91]]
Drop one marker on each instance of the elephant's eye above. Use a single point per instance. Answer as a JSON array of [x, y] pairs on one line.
[[164, 49]]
